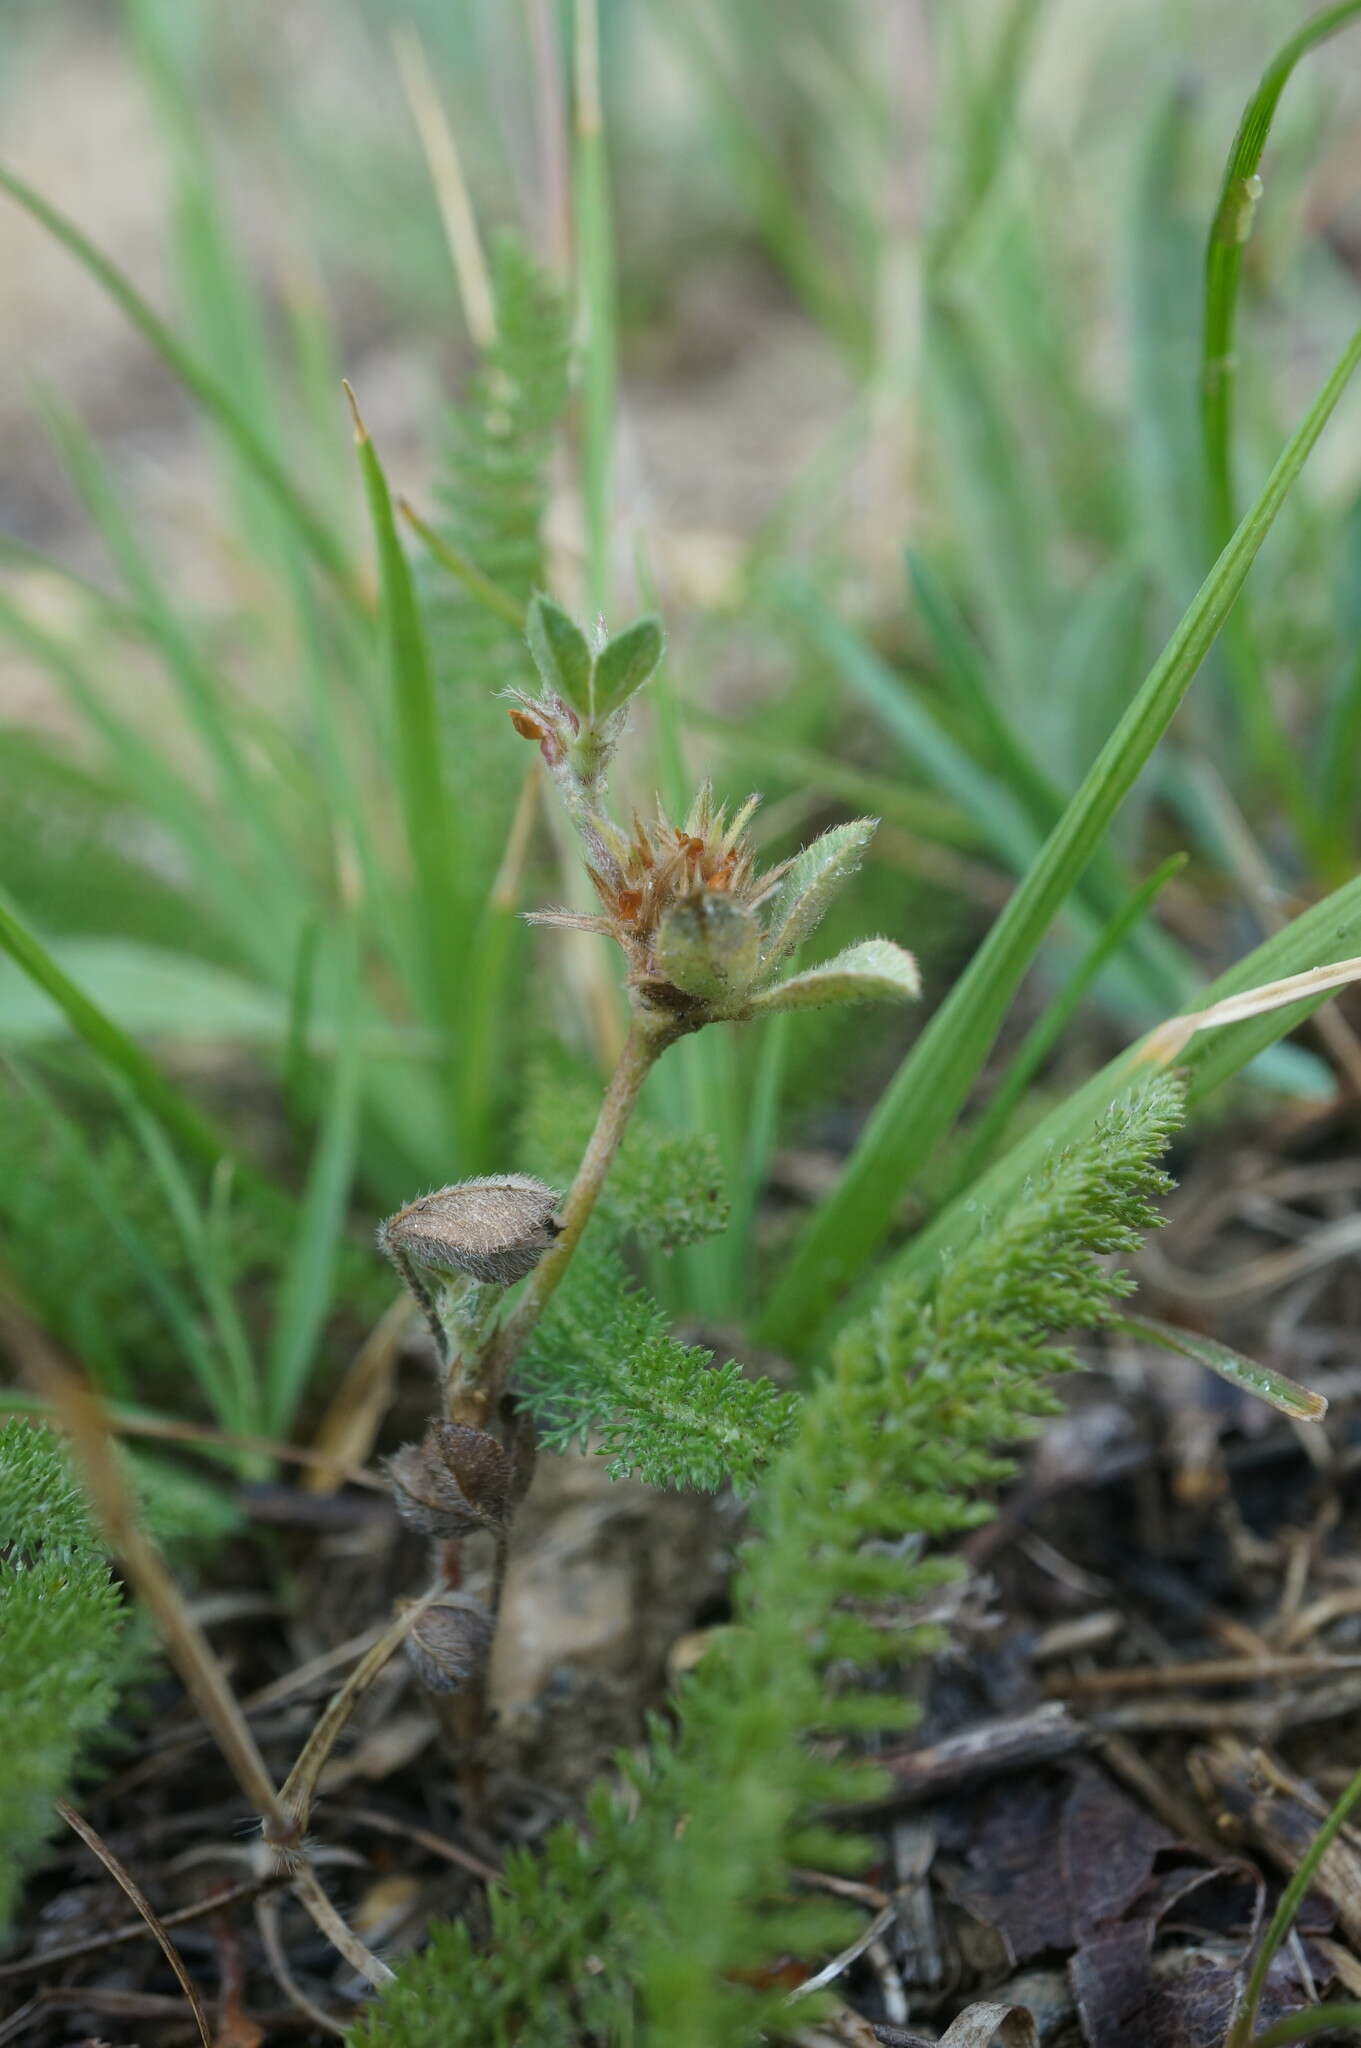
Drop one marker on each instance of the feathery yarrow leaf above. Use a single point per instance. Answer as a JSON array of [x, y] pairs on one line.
[[60, 1619], [603, 1364], [890, 1445], [493, 489]]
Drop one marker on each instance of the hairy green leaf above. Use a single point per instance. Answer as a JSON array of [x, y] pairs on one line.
[[625, 663], [811, 881], [875, 970]]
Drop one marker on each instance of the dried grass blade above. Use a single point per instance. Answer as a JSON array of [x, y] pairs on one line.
[[129, 1884]]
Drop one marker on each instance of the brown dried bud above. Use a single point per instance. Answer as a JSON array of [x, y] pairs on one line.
[[455, 1481], [495, 1229], [528, 727], [449, 1644]]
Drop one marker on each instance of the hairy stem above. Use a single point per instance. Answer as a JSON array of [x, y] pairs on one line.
[[475, 1390], [309, 1894], [475, 1385]]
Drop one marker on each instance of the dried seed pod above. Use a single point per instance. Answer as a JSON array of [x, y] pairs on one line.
[[449, 1644], [455, 1481], [495, 1229]]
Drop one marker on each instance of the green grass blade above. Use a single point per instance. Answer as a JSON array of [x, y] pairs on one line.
[[898, 803], [103, 604], [1263, 1382], [765, 1087], [1035, 1048], [753, 165], [1107, 887], [1156, 976], [1302, 2026], [1327, 931], [305, 1292], [967, 673], [109, 1044], [1229, 232], [1268, 745], [427, 812], [146, 773], [245, 792], [498, 601], [986, 124], [176, 1312], [994, 810], [1165, 464], [925, 1096], [241, 1409], [596, 290], [1292, 1898], [301, 996], [320, 541], [1000, 505]]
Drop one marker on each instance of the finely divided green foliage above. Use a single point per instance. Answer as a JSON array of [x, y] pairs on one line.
[[1330, 930], [557, 1966], [897, 1440], [674, 1899], [246, 937], [494, 481], [60, 1619], [493, 492], [604, 1364]]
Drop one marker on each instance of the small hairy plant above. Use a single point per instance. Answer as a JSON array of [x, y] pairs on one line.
[[679, 1894], [705, 934], [60, 1619]]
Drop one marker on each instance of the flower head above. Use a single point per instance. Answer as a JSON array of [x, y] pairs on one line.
[[704, 928]]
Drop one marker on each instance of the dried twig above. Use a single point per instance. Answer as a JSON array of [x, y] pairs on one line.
[[1035, 1737], [1201, 1671]]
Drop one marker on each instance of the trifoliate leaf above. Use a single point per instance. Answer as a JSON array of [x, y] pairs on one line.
[[626, 663], [561, 652], [810, 883], [874, 971]]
